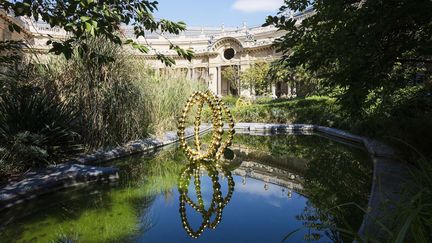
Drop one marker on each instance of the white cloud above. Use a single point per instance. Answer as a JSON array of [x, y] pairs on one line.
[[257, 5]]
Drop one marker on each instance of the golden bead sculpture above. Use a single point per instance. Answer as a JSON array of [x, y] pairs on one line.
[[218, 109]]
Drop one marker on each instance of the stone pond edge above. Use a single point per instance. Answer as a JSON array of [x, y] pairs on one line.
[[388, 174], [79, 171]]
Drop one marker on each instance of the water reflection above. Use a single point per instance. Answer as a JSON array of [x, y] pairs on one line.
[[331, 175], [195, 172], [283, 184]]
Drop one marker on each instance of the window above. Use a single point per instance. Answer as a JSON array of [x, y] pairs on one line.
[[229, 53]]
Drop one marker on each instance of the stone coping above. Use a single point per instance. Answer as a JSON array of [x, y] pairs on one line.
[[134, 147], [53, 178], [79, 171], [388, 176]]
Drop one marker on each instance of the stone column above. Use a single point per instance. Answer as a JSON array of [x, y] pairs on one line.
[[245, 92], [189, 73], [213, 75], [273, 88], [219, 80]]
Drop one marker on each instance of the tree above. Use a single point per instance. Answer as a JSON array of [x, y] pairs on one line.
[[231, 74], [84, 18], [256, 77], [360, 45], [305, 81]]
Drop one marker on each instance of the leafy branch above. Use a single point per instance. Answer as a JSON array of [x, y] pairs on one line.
[[84, 18]]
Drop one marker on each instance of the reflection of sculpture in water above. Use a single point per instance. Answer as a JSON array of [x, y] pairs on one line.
[[218, 201], [216, 149]]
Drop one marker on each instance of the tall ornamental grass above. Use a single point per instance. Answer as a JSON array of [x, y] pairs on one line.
[[98, 82], [163, 97], [119, 98], [99, 98]]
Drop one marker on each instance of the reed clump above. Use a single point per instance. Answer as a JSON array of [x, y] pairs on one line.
[[99, 98]]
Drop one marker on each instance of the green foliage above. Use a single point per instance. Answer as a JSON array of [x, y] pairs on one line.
[[414, 216], [115, 99], [99, 84], [304, 80], [373, 54], [84, 18], [404, 115], [120, 98], [359, 46], [280, 73], [162, 97], [243, 101], [255, 77], [408, 109], [35, 130], [263, 100], [14, 68], [389, 119], [231, 74], [312, 110], [230, 100], [11, 56]]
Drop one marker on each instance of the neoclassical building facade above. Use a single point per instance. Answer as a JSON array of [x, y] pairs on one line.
[[215, 48]]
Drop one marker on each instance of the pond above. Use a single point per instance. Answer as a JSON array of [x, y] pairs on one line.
[[290, 188]]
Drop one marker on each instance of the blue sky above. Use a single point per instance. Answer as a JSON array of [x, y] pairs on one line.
[[231, 13]]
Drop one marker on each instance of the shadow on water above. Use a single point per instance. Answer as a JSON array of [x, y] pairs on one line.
[[138, 207]]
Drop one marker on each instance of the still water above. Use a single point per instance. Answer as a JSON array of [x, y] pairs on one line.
[[289, 188]]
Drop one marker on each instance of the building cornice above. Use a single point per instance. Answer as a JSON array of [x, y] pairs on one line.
[[13, 20]]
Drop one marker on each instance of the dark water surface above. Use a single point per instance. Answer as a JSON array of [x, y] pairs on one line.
[[277, 187]]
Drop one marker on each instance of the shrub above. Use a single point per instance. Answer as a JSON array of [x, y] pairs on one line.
[[263, 100], [35, 130], [312, 110], [230, 100], [243, 101], [390, 117]]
